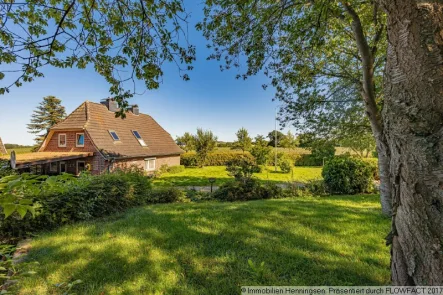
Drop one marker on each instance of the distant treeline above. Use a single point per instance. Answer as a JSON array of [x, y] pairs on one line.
[[16, 146]]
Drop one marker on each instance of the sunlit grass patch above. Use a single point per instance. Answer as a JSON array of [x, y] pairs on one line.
[[204, 248], [199, 176]]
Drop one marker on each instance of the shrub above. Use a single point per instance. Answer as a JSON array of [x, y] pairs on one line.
[[176, 169], [322, 151], [316, 187], [5, 169], [166, 195], [373, 163], [307, 160], [345, 175], [250, 189], [213, 159], [285, 165], [198, 196], [242, 168], [57, 202]]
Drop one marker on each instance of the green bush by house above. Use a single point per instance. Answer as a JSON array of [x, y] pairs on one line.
[[80, 199]]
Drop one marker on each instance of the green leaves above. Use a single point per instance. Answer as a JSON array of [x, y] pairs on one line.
[[112, 36], [17, 192]]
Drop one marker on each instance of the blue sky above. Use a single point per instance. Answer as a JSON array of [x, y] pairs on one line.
[[212, 99]]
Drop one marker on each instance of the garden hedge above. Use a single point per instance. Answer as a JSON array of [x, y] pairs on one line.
[[214, 159]]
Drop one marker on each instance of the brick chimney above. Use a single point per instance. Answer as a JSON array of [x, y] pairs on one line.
[[135, 109], [111, 104]]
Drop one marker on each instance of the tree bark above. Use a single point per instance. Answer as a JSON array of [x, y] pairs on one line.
[[413, 125]]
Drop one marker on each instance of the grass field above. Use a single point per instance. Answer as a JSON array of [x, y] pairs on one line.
[[204, 248], [199, 176], [20, 150]]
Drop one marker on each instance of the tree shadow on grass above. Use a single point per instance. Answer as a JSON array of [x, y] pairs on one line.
[[204, 249]]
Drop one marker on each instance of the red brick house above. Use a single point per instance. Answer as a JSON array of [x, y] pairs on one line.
[[92, 138]]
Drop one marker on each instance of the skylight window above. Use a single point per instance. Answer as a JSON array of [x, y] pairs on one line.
[[139, 138], [114, 135], [136, 134]]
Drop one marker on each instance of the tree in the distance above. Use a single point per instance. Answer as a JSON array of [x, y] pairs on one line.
[[186, 141], [261, 150], [272, 139], [204, 142], [244, 141], [289, 141], [48, 113]]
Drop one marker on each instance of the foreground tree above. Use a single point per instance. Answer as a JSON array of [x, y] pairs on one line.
[[413, 120], [186, 141], [244, 141], [48, 113], [123, 40], [290, 35], [321, 56], [204, 142]]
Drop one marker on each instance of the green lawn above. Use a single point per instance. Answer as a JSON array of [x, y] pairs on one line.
[[204, 248], [199, 176]]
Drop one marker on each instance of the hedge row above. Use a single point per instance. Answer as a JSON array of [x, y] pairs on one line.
[[213, 159], [222, 158], [86, 198]]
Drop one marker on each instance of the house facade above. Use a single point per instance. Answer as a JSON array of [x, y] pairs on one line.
[[92, 138]]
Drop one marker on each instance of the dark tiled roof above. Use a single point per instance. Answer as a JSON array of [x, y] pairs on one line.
[[97, 120], [2, 148]]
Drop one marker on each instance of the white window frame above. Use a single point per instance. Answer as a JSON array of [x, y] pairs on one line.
[[66, 167], [50, 167], [147, 160], [66, 139], [140, 140], [76, 139], [110, 133], [78, 172]]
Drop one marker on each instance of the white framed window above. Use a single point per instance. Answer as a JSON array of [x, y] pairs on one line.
[[81, 166], [53, 167], [63, 167], [79, 139], [139, 138], [150, 164], [114, 135], [62, 140]]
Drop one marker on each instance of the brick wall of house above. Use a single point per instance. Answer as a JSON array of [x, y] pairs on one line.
[[140, 162], [52, 145], [97, 162]]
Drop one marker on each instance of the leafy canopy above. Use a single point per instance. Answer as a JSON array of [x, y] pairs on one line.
[[261, 150], [309, 52], [123, 40], [244, 141], [186, 141], [204, 142]]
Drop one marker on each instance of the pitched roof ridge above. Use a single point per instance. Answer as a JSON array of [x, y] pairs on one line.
[[68, 116], [87, 113]]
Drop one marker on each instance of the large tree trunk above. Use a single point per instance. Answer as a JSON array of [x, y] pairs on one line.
[[383, 171], [413, 125]]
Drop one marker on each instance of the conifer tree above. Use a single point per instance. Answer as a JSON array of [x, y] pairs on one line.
[[48, 113]]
